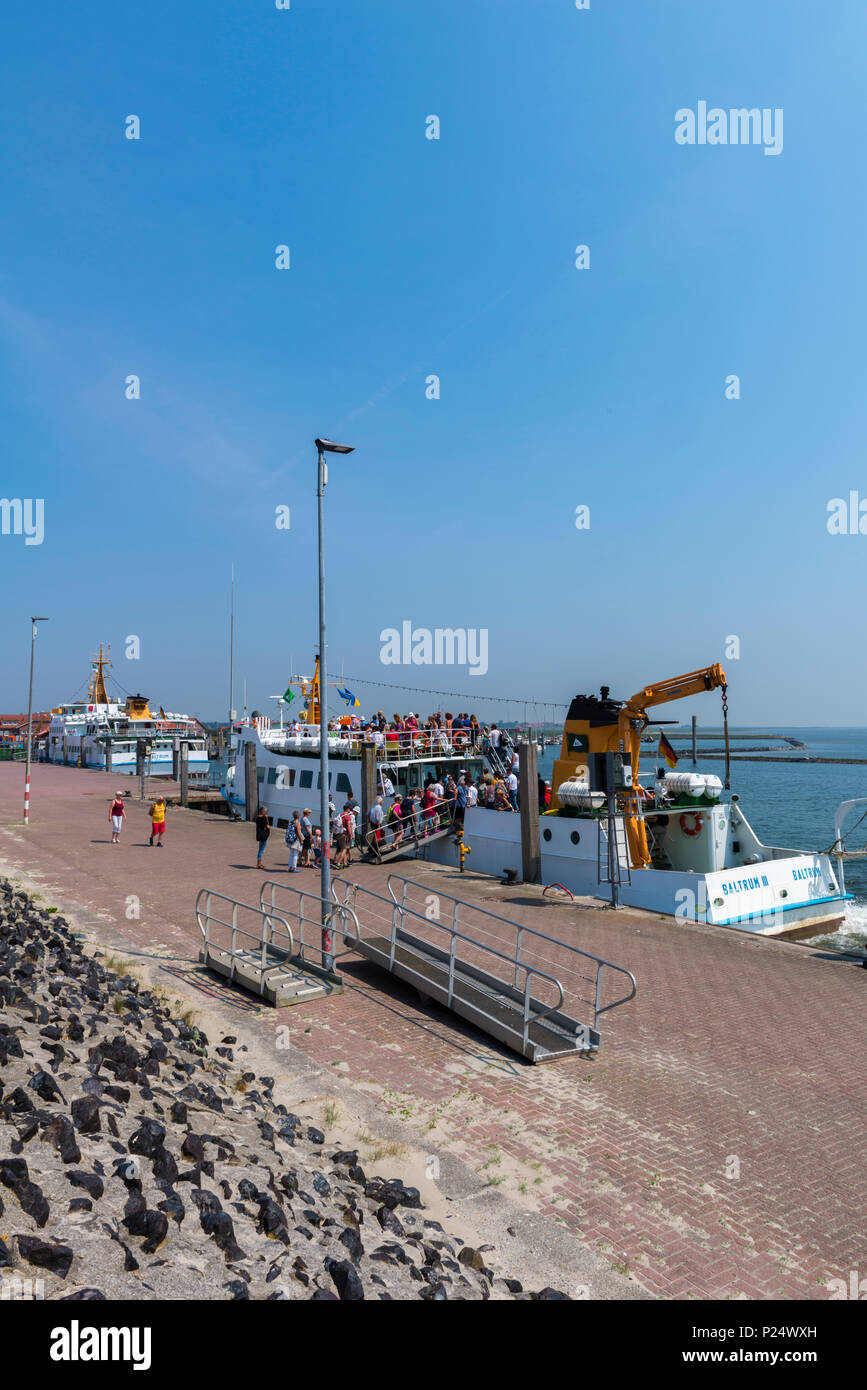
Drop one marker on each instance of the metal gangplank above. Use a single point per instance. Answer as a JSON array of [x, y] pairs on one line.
[[270, 952], [496, 973], [420, 832]]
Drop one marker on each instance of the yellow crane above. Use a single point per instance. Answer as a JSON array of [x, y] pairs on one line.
[[595, 727]]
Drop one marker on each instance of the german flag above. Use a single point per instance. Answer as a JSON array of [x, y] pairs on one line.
[[666, 751]]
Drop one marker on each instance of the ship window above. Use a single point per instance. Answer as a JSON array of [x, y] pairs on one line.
[[546, 834], [305, 779], [574, 837], [260, 774], [291, 775], [344, 784], [319, 780], [272, 776]]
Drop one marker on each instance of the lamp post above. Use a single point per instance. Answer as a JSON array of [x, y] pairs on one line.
[[323, 447], [33, 621]]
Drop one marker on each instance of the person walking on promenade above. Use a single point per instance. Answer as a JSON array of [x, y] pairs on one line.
[[158, 821], [117, 816], [263, 830], [294, 839]]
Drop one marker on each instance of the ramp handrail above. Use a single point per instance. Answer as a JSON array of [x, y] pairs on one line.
[[442, 821], [319, 920], [522, 932], [400, 912], [265, 937]]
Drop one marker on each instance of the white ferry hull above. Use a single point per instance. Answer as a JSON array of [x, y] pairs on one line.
[[787, 894]]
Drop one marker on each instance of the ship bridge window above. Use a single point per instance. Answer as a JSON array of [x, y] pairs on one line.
[[344, 784], [305, 779], [260, 774], [272, 776]]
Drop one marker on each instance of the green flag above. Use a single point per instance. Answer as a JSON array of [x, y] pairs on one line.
[[288, 696]]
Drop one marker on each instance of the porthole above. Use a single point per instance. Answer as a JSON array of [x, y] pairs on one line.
[[784, 892], [546, 834], [575, 837]]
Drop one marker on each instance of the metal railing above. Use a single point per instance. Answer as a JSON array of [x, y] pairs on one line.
[[526, 938], [309, 919], [415, 829], [391, 747], [517, 973], [267, 938]]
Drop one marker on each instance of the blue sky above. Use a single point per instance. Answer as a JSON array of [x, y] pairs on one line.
[[409, 257]]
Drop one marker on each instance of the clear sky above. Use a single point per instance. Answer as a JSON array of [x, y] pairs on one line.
[[410, 257]]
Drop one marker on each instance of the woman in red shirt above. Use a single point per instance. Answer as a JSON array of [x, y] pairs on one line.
[[117, 816]]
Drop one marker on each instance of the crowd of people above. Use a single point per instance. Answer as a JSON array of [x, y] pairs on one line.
[[394, 818], [439, 733]]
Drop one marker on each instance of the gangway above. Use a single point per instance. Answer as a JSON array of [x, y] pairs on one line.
[[492, 971], [265, 951], [420, 832]]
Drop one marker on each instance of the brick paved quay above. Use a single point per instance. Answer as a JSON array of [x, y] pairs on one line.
[[736, 1056]]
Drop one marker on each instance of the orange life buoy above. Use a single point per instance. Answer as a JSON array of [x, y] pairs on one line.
[[698, 822]]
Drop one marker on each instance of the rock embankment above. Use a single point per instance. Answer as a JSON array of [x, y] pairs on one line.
[[138, 1161]]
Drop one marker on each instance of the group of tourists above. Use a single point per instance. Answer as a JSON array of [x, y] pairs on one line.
[[117, 816]]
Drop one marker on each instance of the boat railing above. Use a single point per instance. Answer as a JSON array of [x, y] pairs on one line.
[[391, 747]]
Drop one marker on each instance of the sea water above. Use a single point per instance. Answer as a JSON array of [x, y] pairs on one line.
[[791, 804]]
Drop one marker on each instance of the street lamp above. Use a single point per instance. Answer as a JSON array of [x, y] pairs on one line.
[[323, 447], [33, 621]]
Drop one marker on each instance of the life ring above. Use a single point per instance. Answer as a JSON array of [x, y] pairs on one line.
[[698, 822]]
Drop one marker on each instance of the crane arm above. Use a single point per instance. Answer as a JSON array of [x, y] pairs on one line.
[[677, 688]]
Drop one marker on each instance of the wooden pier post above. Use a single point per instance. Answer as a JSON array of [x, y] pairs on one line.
[[528, 801], [251, 783], [65, 750], [108, 755], [185, 773], [140, 751], [368, 786], [176, 760]]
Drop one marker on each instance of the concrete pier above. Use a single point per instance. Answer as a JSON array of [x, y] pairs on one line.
[[713, 1148]]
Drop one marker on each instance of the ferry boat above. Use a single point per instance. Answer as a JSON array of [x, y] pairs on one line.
[[674, 848], [78, 732], [287, 759]]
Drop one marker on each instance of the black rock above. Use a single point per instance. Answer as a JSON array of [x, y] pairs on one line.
[[271, 1219], [471, 1258], [435, 1293], [315, 1135], [389, 1222], [173, 1207], [346, 1158], [46, 1087], [193, 1148], [59, 1133], [236, 1287], [85, 1115], [147, 1138], [19, 1101], [549, 1295], [323, 1295], [89, 1181], [352, 1240], [321, 1185], [83, 1295], [81, 1204], [128, 1169], [119, 1093], [179, 1113], [165, 1169], [346, 1281], [151, 1225], [45, 1255]]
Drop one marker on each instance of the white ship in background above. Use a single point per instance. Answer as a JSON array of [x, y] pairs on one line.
[[79, 732]]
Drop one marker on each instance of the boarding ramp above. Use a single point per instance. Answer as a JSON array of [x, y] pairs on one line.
[[513, 982], [413, 833], [264, 950]]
